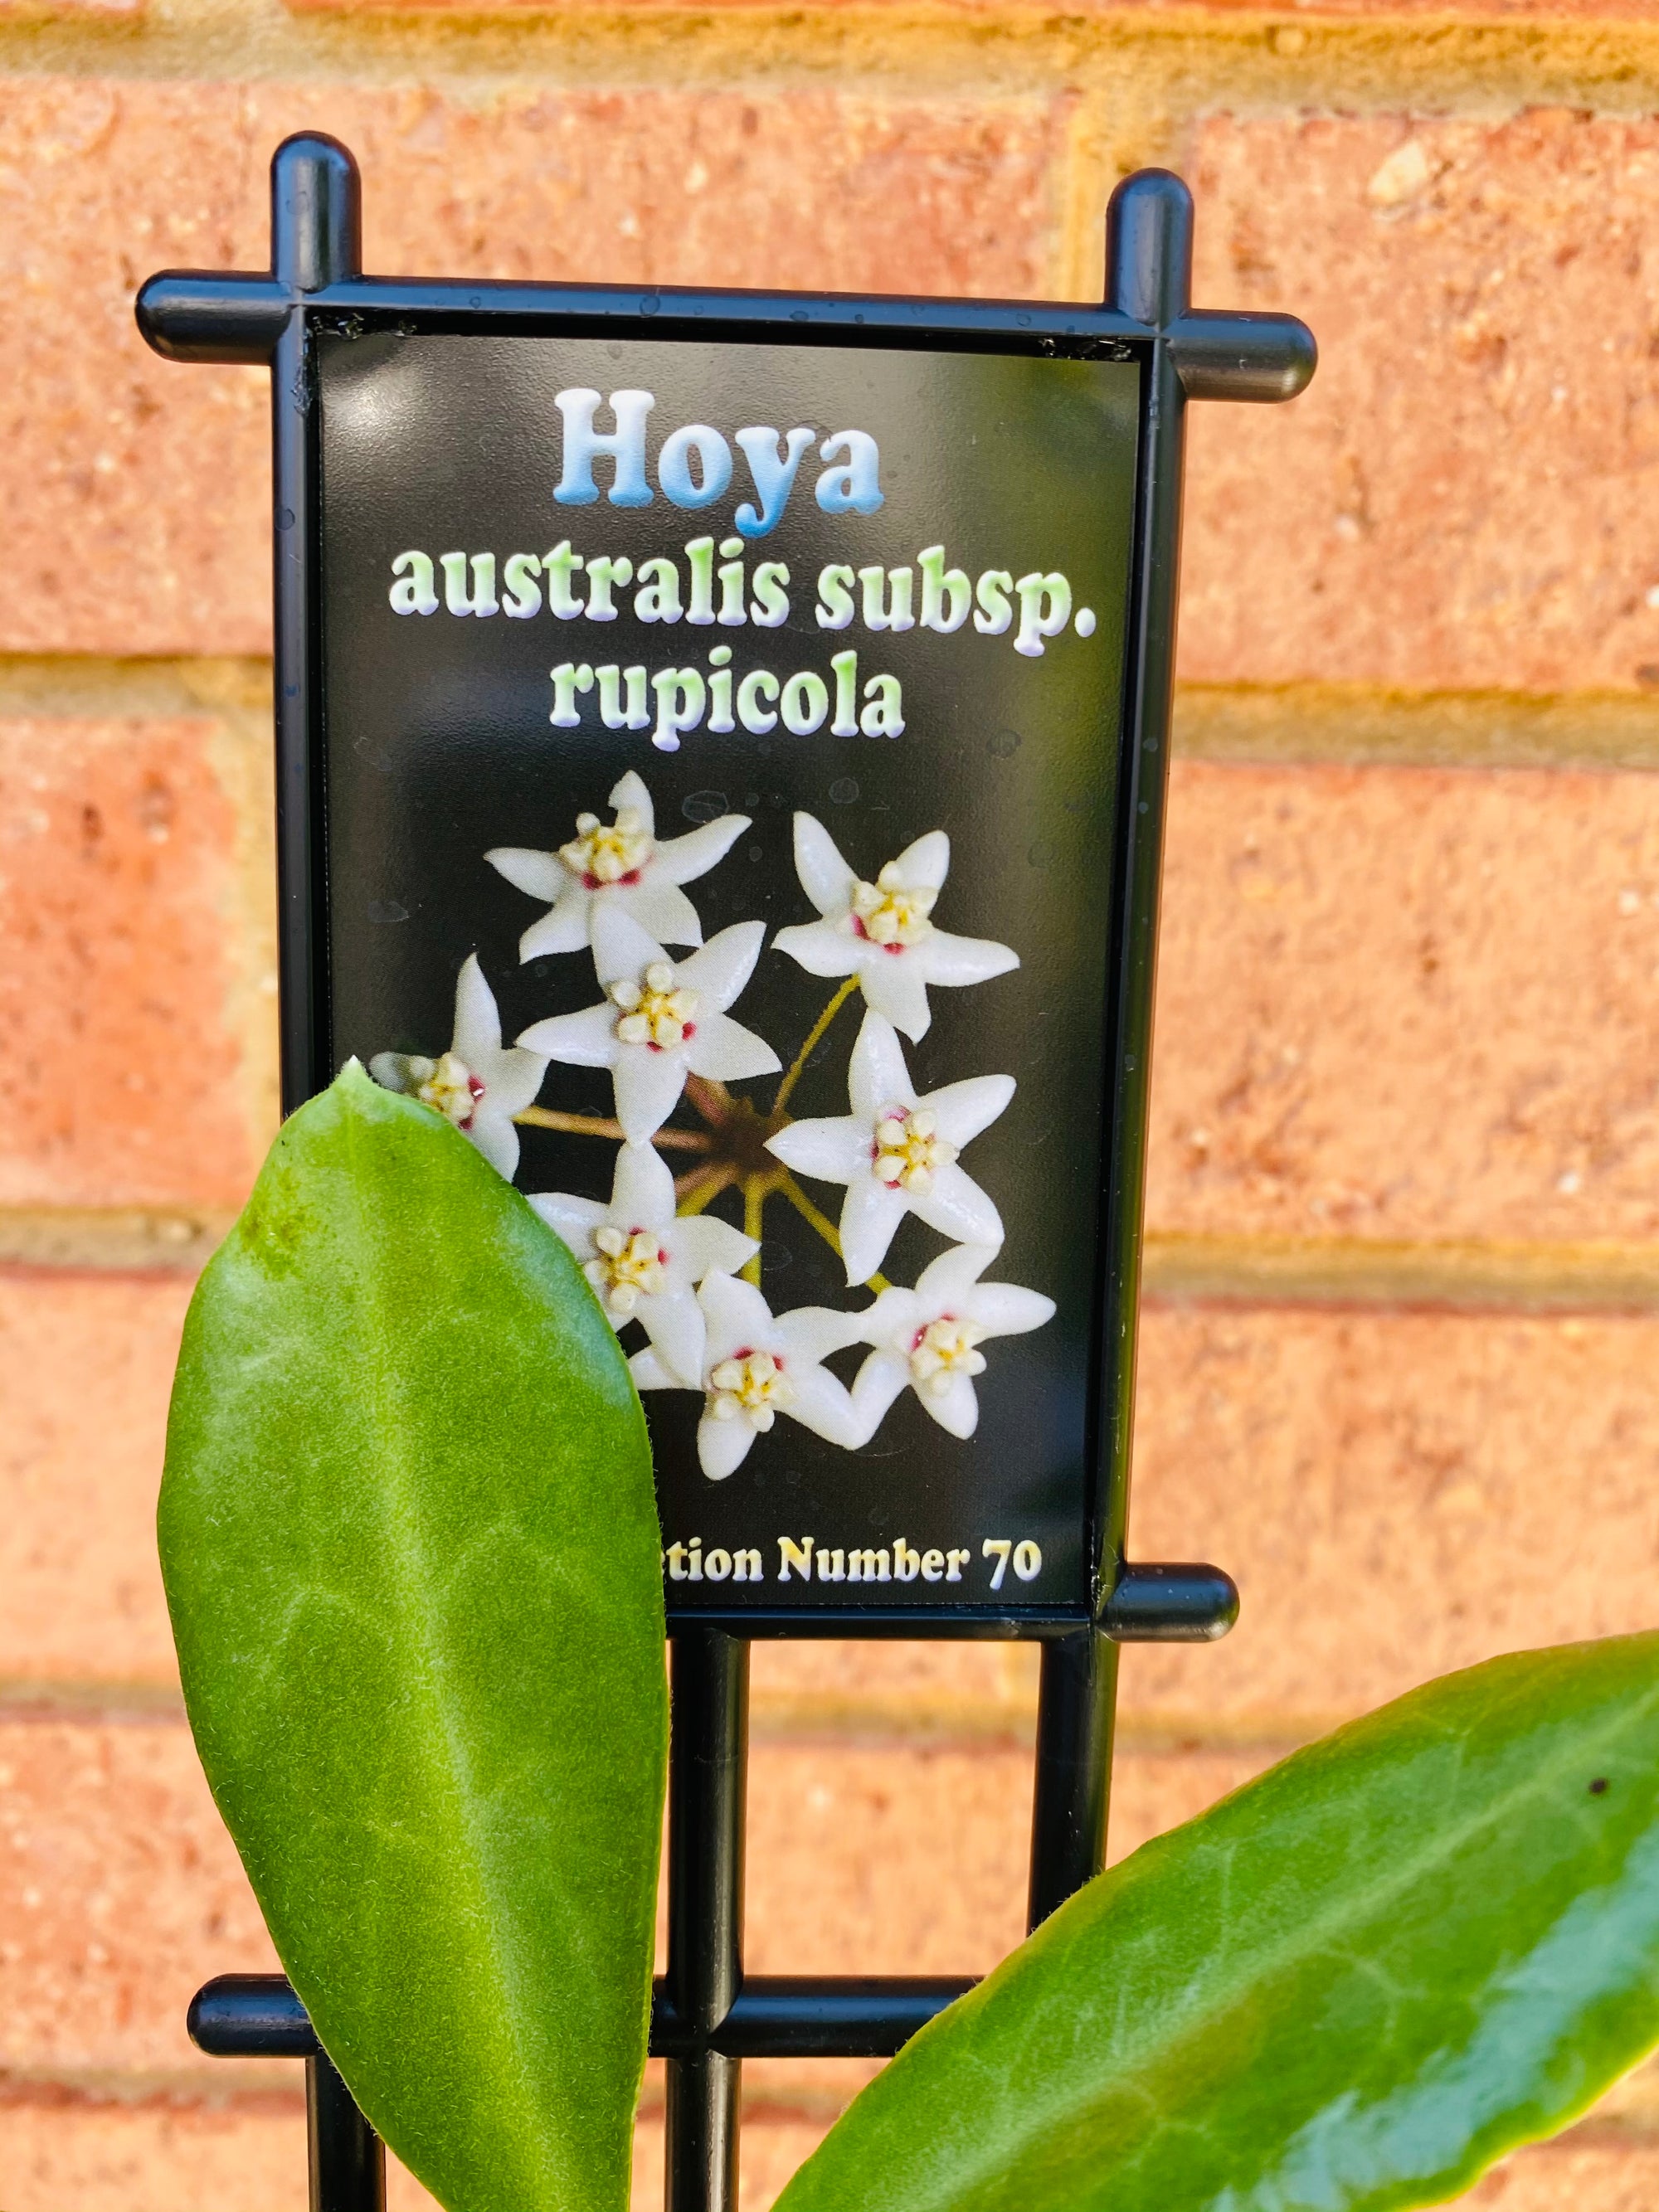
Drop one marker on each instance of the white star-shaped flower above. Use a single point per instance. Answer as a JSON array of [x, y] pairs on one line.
[[883, 932], [623, 866], [897, 1153], [644, 1262], [660, 1020], [928, 1340], [757, 1365], [475, 1084]]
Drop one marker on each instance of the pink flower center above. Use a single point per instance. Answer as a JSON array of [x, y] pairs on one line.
[[450, 1085], [908, 1151], [688, 1030], [859, 930], [891, 913], [944, 1348]]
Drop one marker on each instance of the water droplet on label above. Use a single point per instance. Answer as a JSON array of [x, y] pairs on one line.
[[704, 806], [1003, 744], [843, 791]]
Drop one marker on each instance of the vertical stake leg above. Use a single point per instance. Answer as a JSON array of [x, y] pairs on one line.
[[1075, 1714], [1149, 259], [315, 242], [707, 1774], [348, 2158], [702, 2133]]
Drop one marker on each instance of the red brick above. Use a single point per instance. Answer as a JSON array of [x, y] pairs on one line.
[[880, 1862], [1396, 1495], [120, 1892], [86, 1366], [864, 1861], [171, 2154], [1572, 2175], [120, 952], [918, 1689], [154, 2157], [1408, 1003], [1463, 497], [137, 504]]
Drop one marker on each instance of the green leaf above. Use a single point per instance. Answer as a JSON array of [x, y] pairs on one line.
[[1358, 1982], [411, 1555]]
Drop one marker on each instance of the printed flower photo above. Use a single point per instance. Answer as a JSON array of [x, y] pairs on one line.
[[665, 1027]]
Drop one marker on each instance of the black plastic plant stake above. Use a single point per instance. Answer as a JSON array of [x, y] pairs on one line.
[[707, 2016]]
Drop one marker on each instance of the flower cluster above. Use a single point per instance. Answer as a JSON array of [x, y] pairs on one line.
[[663, 1029]]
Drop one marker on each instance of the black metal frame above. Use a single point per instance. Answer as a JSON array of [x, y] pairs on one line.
[[707, 2016]]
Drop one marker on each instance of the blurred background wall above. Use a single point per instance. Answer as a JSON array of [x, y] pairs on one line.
[[1403, 1266]]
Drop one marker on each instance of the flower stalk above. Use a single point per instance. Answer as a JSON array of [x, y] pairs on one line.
[[600, 1125]]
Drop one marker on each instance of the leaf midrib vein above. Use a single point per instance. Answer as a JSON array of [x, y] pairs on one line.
[[408, 1571]]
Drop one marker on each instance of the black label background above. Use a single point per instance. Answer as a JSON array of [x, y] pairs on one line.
[[439, 747]]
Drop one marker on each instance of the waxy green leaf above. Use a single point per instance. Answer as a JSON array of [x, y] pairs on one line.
[[1356, 1983], [411, 1555]]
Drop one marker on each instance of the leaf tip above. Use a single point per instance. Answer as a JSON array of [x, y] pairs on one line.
[[355, 1096], [355, 1085]]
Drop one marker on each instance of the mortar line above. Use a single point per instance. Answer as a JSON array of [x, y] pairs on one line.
[[1349, 723], [1491, 1277], [1180, 61], [899, 1719], [1475, 1275]]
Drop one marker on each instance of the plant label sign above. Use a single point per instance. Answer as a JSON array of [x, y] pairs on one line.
[[721, 746], [722, 749]]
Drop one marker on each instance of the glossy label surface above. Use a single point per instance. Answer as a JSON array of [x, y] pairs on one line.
[[722, 755]]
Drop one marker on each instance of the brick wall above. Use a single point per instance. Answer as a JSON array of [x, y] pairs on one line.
[[1404, 1261]]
